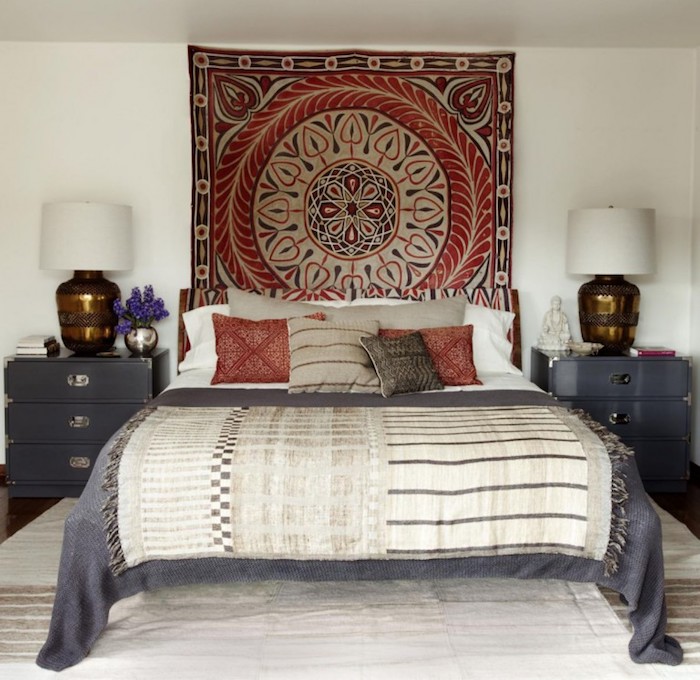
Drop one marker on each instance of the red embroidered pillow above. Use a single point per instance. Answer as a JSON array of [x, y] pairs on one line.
[[450, 348], [252, 351]]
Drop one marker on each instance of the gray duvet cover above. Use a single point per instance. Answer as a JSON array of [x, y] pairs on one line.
[[87, 587]]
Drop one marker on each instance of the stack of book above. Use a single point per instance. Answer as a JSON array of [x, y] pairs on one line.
[[38, 345], [652, 352]]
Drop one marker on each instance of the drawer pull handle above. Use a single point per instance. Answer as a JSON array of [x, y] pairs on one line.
[[81, 462], [620, 378], [78, 380], [620, 419], [79, 422]]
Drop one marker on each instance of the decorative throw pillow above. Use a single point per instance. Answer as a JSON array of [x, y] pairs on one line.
[[425, 314], [327, 356], [251, 351], [402, 364], [450, 349], [249, 305]]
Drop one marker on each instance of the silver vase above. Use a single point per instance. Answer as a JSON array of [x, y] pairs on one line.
[[141, 341]]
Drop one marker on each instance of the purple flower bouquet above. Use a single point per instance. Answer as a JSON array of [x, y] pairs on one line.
[[140, 310]]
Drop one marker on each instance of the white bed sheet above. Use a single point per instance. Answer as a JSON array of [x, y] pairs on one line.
[[201, 377]]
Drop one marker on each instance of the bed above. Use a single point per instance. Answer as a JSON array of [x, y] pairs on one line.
[[371, 484]]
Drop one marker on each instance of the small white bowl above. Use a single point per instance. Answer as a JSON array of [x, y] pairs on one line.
[[585, 348]]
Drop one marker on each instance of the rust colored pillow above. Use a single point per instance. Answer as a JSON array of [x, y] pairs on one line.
[[450, 348], [252, 351]]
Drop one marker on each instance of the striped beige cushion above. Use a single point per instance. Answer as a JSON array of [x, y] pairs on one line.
[[327, 356]]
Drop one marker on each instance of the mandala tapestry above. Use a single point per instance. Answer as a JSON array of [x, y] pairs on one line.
[[351, 170]]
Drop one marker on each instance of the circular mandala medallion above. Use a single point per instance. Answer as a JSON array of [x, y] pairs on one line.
[[351, 210], [349, 198]]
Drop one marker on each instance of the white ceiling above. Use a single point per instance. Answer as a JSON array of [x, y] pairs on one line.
[[358, 23]]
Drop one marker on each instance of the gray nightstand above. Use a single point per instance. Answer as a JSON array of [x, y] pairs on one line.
[[59, 411], [645, 400]]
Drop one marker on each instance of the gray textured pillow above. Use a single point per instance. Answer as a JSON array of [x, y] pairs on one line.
[[402, 364], [426, 314], [247, 305], [327, 356]]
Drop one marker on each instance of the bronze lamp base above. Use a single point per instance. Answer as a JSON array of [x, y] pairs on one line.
[[85, 312], [609, 312]]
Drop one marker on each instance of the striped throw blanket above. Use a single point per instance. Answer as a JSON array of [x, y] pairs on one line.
[[356, 483]]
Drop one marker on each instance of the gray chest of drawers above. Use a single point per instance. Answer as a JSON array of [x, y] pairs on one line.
[[644, 400], [59, 411]]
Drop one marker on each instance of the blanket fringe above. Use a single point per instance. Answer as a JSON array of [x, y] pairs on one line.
[[110, 483], [619, 454]]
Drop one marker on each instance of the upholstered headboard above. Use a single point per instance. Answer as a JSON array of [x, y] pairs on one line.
[[505, 299]]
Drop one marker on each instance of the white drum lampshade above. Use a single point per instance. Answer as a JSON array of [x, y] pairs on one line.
[[88, 238], [610, 243]]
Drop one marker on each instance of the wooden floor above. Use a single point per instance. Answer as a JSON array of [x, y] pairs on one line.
[[16, 513], [684, 507]]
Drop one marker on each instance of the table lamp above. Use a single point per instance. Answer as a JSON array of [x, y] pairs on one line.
[[88, 238], [613, 242]]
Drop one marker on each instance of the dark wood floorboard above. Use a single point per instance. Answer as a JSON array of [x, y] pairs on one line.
[[16, 513], [685, 507]]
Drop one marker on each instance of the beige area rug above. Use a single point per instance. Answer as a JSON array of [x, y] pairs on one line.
[[436, 630]]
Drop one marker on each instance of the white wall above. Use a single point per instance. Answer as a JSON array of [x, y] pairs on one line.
[[619, 132], [694, 307], [110, 122]]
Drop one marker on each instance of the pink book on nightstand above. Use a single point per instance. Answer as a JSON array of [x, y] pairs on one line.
[[652, 352]]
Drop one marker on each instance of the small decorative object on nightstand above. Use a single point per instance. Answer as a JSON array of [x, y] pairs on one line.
[[141, 341], [136, 318], [657, 351], [38, 345], [555, 328], [584, 348], [644, 400], [59, 411]]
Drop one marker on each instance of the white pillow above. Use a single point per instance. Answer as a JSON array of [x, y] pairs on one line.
[[492, 353], [493, 320], [200, 332], [492, 349]]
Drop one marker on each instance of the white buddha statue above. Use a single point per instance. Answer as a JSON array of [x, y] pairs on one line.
[[555, 328]]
